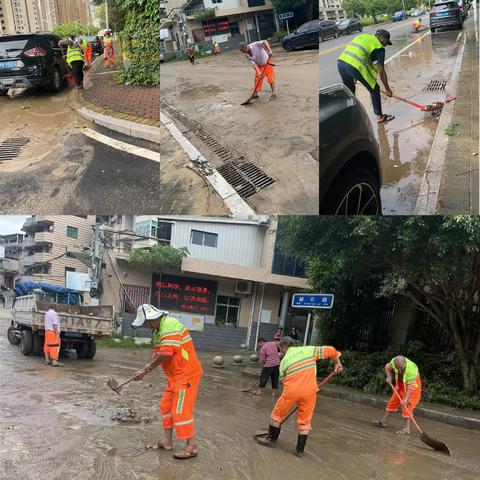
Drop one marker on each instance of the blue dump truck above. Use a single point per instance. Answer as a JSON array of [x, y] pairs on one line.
[[80, 325]]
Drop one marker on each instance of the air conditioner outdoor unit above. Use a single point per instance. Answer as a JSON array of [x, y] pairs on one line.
[[244, 287]]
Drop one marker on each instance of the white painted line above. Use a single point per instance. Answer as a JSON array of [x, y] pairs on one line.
[[124, 147], [396, 54], [427, 199], [106, 73], [228, 194]]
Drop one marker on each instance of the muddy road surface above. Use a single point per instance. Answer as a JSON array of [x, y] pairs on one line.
[[65, 423], [405, 142], [60, 168], [280, 138]]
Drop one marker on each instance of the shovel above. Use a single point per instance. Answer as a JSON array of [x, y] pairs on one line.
[[262, 433], [434, 107], [252, 387], [113, 384], [257, 84], [431, 442]]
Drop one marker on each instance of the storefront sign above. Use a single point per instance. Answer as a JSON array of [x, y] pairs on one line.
[[184, 294], [220, 38], [216, 25]]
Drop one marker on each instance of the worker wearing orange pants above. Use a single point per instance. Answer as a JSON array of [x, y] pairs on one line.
[[268, 72], [51, 346], [176, 408], [298, 371], [174, 350], [409, 387]]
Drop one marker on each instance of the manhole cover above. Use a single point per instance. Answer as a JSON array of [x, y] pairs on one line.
[[12, 147], [246, 179], [436, 86]]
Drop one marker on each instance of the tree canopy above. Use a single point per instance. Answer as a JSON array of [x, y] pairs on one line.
[[433, 261], [74, 29], [158, 258]]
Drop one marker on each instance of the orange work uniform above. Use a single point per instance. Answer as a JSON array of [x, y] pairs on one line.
[[88, 51], [183, 371], [268, 72], [409, 381], [51, 344], [298, 370]]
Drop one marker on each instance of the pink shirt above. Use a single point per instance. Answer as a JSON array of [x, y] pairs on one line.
[[51, 319], [269, 354]]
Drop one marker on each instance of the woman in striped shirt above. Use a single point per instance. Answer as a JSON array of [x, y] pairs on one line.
[[270, 358]]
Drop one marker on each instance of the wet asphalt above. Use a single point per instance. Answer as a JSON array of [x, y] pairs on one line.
[[66, 423], [60, 170]]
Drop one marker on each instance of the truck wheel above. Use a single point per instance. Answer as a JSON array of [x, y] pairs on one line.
[[26, 342], [92, 349], [37, 344], [12, 338], [82, 350]]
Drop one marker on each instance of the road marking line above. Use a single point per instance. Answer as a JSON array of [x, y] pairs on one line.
[[429, 192], [330, 50], [228, 194], [124, 147], [406, 47]]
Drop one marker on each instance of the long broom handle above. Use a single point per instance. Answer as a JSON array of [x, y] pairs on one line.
[[421, 107], [320, 385], [404, 406], [262, 76]]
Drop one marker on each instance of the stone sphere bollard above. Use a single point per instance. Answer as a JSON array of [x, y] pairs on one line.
[[237, 360], [243, 346], [254, 357], [218, 361]]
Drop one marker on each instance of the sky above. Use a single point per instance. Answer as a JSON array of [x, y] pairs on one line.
[[11, 224]]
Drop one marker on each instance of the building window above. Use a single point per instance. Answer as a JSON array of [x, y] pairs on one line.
[[72, 232], [227, 311], [204, 238], [164, 232], [256, 3], [146, 229], [68, 269], [234, 28], [217, 1]]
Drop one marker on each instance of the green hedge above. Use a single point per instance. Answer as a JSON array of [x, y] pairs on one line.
[[440, 374]]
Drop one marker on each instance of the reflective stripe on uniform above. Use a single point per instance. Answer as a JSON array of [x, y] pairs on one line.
[[74, 55], [183, 423], [181, 398], [367, 70], [291, 371], [167, 415]]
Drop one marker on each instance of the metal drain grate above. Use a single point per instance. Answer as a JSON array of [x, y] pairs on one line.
[[246, 179], [436, 86], [11, 148]]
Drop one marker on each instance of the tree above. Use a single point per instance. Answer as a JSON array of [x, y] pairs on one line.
[[434, 261], [303, 10], [116, 14], [160, 257], [74, 29]]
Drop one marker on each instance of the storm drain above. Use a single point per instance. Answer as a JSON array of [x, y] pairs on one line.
[[246, 179], [436, 86], [11, 148]]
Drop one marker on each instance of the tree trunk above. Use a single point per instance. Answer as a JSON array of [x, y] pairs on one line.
[[469, 370]]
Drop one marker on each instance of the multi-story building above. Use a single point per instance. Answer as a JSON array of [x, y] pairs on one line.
[[73, 11], [233, 280], [227, 22], [24, 16], [10, 252], [51, 245], [331, 10]]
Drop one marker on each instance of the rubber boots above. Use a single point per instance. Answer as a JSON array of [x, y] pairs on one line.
[[301, 441], [271, 439]]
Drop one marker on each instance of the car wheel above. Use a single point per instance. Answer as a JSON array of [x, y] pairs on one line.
[[335, 34], [56, 83], [26, 342], [288, 46], [356, 193], [12, 337]]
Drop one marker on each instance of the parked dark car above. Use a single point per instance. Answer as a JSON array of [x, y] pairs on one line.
[[328, 28], [399, 16], [305, 35], [350, 174], [446, 14], [31, 60], [349, 25], [96, 44]]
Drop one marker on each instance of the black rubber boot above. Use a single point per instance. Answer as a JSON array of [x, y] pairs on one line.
[[271, 439], [301, 442]]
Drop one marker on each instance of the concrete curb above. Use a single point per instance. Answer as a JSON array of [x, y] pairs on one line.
[[227, 193], [127, 127], [378, 402], [429, 193]]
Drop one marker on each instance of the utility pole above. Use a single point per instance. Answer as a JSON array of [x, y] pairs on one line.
[[106, 14], [98, 243]]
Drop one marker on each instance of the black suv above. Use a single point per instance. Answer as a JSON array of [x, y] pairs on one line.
[[31, 60], [328, 28], [350, 175], [350, 25], [305, 35]]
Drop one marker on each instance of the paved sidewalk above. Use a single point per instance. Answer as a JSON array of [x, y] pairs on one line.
[[459, 191]]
